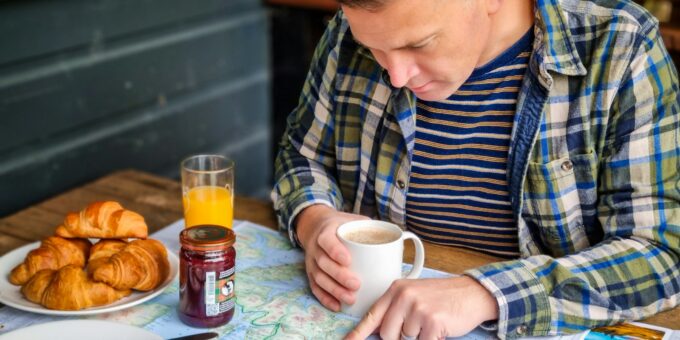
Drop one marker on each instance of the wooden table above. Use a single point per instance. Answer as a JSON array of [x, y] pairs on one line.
[[158, 199]]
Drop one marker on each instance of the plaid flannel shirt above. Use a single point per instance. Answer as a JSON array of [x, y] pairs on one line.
[[592, 170]]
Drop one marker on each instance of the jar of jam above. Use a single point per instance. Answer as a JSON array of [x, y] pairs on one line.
[[206, 276]]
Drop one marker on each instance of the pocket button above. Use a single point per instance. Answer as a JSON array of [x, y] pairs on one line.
[[522, 329], [567, 166]]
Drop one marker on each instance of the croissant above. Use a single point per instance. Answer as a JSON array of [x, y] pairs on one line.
[[102, 251], [54, 252], [103, 220], [141, 265], [69, 288]]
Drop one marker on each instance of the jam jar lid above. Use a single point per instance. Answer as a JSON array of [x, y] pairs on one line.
[[207, 238]]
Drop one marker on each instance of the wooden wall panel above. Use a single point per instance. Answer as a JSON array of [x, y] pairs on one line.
[[167, 79]]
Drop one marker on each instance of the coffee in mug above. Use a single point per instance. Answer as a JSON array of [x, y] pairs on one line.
[[377, 251], [372, 235]]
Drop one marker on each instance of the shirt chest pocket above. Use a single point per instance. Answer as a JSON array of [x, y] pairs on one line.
[[560, 202]]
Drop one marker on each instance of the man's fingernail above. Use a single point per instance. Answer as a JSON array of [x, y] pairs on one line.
[[353, 283]]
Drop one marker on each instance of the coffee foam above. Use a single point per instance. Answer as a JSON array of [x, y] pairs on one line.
[[371, 235]]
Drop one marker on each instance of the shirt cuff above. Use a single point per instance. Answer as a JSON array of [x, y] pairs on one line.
[[489, 326], [288, 209], [523, 305]]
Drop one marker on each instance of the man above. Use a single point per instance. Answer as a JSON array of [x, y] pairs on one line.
[[547, 133]]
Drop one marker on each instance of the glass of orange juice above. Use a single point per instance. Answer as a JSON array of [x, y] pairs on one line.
[[208, 190]]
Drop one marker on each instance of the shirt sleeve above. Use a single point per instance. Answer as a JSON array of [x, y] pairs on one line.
[[306, 160], [634, 272]]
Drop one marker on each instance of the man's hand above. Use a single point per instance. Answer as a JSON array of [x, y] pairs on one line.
[[428, 309], [326, 259]]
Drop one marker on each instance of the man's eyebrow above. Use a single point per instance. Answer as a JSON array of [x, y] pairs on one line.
[[409, 45]]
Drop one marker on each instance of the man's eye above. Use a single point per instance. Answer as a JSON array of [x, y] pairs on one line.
[[423, 45]]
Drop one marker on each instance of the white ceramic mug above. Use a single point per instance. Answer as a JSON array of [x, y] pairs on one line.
[[377, 265]]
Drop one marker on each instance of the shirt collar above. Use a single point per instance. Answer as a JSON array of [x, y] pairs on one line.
[[556, 43]]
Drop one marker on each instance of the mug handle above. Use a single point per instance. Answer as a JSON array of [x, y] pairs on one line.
[[419, 260]]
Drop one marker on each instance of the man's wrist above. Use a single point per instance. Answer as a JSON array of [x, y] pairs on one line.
[[488, 304], [307, 220], [491, 303]]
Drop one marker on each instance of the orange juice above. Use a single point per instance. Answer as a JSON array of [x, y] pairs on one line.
[[208, 205]]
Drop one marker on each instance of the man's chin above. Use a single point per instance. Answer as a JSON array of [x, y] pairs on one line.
[[432, 96], [436, 92]]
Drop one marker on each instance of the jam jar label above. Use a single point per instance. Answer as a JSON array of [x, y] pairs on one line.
[[220, 295]]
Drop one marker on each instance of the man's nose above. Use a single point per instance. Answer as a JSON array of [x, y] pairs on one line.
[[401, 69]]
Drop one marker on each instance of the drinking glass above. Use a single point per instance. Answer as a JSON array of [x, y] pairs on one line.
[[208, 190]]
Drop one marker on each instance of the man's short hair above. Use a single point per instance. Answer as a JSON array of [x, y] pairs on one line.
[[365, 4]]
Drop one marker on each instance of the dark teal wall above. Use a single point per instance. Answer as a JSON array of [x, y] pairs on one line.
[[91, 86]]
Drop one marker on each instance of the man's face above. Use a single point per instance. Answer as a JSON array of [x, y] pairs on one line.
[[429, 46]]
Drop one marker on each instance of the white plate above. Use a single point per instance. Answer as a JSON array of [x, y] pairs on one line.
[[80, 330], [11, 295]]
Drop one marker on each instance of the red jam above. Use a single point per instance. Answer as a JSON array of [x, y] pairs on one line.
[[206, 276]]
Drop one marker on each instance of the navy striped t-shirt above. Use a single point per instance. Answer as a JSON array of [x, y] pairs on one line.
[[458, 190]]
